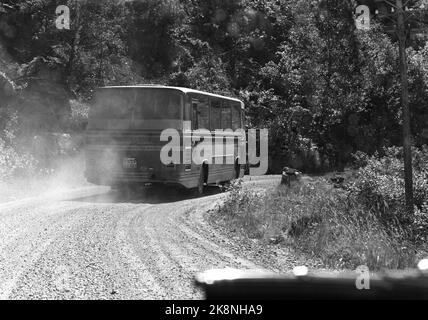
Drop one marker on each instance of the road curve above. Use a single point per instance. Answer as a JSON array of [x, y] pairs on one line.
[[93, 243]]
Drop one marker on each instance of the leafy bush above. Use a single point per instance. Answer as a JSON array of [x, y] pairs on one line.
[[379, 187], [364, 223], [27, 155], [13, 163], [78, 118], [236, 209], [380, 184], [12, 160]]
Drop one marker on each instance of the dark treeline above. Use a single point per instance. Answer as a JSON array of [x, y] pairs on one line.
[[324, 89]]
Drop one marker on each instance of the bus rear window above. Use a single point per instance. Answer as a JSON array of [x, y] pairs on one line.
[[158, 104], [112, 104], [137, 103]]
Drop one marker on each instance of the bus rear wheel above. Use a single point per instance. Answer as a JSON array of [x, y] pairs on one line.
[[237, 170], [200, 190]]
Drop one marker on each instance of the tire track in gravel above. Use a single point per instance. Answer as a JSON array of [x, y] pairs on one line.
[[110, 247], [91, 254], [204, 241], [154, 256], [20, 248], [184, 251], [132, 261]]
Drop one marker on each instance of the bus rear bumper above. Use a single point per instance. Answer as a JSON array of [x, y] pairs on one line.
[[140, 179]]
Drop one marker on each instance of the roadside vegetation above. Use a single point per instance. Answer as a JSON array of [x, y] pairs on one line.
[[41, 162], [324, 89], [43, 153], [329, 94], [360, 222]]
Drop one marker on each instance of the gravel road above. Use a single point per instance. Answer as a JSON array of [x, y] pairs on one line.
[[94, 243]]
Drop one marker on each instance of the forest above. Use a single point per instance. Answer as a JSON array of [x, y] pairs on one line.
[[326, 91]]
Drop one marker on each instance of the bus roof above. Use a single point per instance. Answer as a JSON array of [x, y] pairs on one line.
[[183, 90]]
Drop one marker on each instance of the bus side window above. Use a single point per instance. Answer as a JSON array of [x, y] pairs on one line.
[[215, 114], [226, 116], [200, 114], [195, 117], [204, 114], [236, 116]]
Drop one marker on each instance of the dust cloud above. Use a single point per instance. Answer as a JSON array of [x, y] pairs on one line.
[[66, 175]]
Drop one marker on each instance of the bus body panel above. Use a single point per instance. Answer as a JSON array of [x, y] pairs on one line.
[[112, 143]]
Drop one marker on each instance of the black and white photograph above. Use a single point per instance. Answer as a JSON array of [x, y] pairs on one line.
[[213, 155]]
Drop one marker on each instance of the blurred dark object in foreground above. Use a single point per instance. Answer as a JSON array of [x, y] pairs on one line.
[[289, 175], [337, 180], [230, 284]]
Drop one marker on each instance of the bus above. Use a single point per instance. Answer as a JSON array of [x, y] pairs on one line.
[[125, 124]]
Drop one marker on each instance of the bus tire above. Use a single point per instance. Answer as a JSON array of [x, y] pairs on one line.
[[237, 170], [203, 178]]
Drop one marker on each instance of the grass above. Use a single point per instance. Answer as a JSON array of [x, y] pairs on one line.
[[320, 221]]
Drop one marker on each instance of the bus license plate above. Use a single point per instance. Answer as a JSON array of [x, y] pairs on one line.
[[130, 163]]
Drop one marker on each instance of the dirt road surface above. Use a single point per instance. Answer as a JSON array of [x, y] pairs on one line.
[[95, 243]]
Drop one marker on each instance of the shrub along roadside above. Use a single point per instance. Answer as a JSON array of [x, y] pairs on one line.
[[345, 227], [379, 187], [35, 154]]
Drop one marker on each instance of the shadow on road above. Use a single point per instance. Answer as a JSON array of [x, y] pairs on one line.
[[149, 195]]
